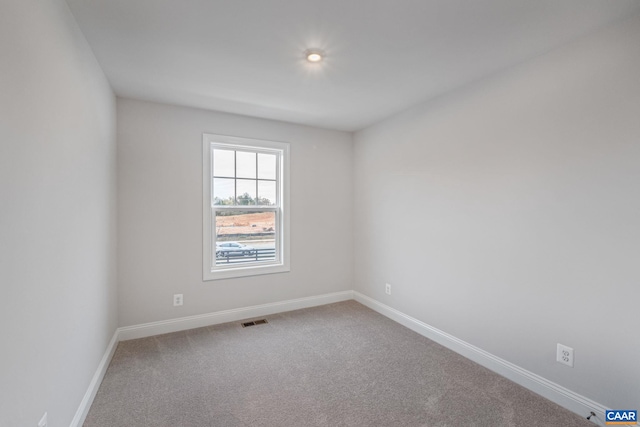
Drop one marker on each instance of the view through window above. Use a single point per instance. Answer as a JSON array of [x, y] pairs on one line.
[[246, 204], [241, 180]]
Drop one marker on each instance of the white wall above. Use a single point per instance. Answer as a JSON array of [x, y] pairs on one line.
[[507, 214], [160, 213], [57, 213]]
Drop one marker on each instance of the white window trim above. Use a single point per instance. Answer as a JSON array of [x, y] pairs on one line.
[[209, 271]]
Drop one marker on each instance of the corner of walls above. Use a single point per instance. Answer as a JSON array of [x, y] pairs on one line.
[[504, 213], [562, 396], [191, 322], [96, 380], [57, 222], [160, 213]]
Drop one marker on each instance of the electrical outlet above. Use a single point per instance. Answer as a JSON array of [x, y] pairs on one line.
[[177, 300], [565, 355], [387, 288], [43, 421]]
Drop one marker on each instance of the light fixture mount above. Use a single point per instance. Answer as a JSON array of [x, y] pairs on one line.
[[314, 55]]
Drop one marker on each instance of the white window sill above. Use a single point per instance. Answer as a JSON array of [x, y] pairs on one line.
[[235, 272]]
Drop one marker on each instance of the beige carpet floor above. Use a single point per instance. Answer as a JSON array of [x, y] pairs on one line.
[[336, 365]]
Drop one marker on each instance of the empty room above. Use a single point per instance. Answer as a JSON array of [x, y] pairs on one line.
[[290, 213]]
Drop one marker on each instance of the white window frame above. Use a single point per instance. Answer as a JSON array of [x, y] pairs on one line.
[[210, 271]]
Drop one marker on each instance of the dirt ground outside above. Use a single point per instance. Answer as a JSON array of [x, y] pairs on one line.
[[250, 226]]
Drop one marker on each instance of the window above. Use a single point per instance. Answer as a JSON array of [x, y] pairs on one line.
[[245, 207]]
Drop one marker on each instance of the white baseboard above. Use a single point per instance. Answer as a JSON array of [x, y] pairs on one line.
[[90, 394], [539, 385], [184, 323], [191, 322]]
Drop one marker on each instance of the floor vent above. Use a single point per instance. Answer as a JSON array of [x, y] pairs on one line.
[[255, 322]]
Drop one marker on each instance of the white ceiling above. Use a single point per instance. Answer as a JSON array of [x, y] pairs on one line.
[[382, 56]]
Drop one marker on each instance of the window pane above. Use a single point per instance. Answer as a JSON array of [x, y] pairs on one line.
[[267, 193], [223, 191], [246, 191], [246, 164], [245, 237], [223, 163], [266, 166]]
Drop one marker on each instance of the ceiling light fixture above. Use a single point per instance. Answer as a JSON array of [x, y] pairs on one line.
[[313, 55]]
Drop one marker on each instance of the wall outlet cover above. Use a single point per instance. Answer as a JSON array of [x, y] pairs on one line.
[[177, 300], [565, 355], [43, 421]]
